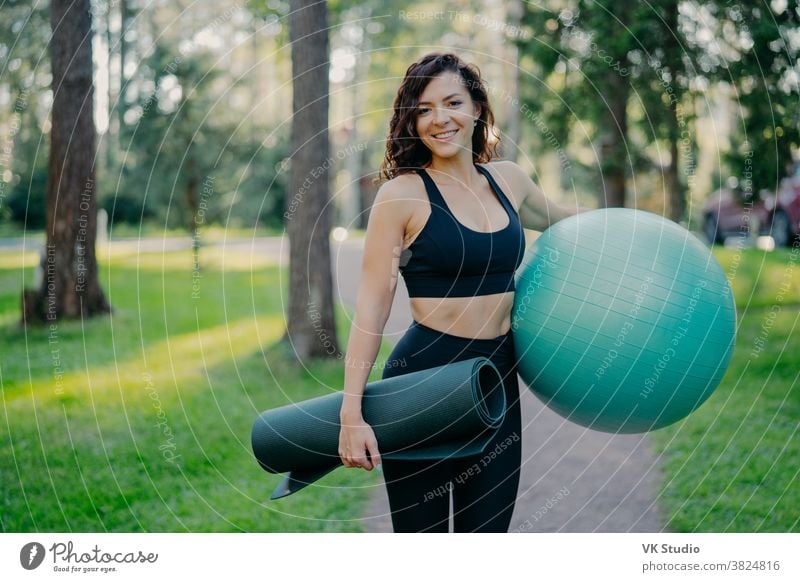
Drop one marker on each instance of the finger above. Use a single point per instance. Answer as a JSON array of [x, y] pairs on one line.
[[374, 454], [363, 461]]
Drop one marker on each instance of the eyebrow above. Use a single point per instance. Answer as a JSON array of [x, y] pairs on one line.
[[445, 99]]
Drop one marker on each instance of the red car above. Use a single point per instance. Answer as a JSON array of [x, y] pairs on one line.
[[730, 212], [786, 219]]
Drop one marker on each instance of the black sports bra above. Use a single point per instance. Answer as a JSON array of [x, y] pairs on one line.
[[447, 259]]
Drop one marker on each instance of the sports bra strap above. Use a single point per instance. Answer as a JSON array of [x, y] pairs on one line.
[[434, 196], [447, 259], [500, 194]]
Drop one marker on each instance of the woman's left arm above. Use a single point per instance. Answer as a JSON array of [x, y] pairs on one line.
[[536, 211]]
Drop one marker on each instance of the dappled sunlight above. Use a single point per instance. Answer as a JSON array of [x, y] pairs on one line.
[[171, 362], [243, 258], [18, 259], [760, 278]]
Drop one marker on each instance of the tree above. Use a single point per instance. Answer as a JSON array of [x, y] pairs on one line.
[[616, 65], [311, 325], [176, 143], [24, 85], [582, 46], [762, 67], [70, 287], [661, 77]]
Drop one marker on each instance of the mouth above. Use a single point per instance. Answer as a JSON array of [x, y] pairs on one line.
[[445, 135]]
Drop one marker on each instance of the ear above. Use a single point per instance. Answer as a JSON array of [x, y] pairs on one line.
[[477, 111]]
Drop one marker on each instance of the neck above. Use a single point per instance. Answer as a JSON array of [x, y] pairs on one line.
[[457, 170]]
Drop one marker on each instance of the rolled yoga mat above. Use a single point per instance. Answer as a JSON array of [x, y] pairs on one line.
[[449, 411]]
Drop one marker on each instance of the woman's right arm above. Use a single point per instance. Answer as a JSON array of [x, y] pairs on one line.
[[379, 271]]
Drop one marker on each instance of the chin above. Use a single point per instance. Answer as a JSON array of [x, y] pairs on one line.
[[446, 150]]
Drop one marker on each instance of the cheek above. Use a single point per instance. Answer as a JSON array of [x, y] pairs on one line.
[[419, 126], [465, 117]]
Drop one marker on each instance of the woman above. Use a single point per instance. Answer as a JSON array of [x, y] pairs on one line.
[[444, 222]]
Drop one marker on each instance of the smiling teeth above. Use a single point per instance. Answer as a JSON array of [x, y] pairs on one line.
[[445, 134]]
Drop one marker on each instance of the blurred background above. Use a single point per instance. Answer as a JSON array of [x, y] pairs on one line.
[[213, 200], [654, 107]]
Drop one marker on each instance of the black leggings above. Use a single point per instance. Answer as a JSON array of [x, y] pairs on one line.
[[484, 486]]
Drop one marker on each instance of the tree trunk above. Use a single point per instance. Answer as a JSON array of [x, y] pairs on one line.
[[367, 190], [675, 192], [192, 216], [512, 144], [673, 51], [69, 286], [614, 144], [123, 81], [192, 204], [111, 138], [311, 325]]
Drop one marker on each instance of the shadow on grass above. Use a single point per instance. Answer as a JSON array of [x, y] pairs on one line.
[[149, 308], [170, 452], [140, 421]]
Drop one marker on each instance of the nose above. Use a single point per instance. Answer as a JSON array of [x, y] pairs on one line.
[[441, 116]]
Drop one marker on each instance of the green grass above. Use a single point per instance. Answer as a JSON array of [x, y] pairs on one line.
[[151, 229], [167, 374], [207, 233], [757, 276], [147, 427], [732, 466]]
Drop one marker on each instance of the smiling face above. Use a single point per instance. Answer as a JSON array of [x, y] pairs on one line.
[[446, 116]]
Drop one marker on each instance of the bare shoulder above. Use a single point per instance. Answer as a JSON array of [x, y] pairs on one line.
[[402, 187], [403, 202], [511, 178]]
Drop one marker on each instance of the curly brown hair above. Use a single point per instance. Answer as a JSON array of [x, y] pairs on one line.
[[404, 150]]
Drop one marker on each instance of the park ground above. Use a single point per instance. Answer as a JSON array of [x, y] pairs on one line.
[[140, 421]]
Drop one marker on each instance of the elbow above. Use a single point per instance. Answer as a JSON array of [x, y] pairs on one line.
[[372, 311], [537, 221], [566, 212], [563, 212]]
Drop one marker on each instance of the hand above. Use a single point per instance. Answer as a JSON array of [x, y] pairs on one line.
[[358, 446]]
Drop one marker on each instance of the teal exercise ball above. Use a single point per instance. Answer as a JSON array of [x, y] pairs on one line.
[[623, 321]]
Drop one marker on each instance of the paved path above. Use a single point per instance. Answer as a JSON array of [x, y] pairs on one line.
[[573, 479]]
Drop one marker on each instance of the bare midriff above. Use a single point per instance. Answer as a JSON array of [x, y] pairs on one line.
[[482, 317]]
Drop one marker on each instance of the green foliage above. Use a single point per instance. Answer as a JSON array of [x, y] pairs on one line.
[[582, 52], [189, 159], [140, 421], [24, 84], [27, 203], [762, 70], [175, 138], [261, 194], [24, 38], [125, 209], [586, 57], [662, 66]]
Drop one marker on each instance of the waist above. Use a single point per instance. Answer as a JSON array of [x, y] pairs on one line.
[[438, 285], [502, 338], [422, 347], [453, 348], [483, 317]]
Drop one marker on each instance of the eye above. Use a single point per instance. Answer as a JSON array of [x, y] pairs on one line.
[[422, 110], [455, 103]]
